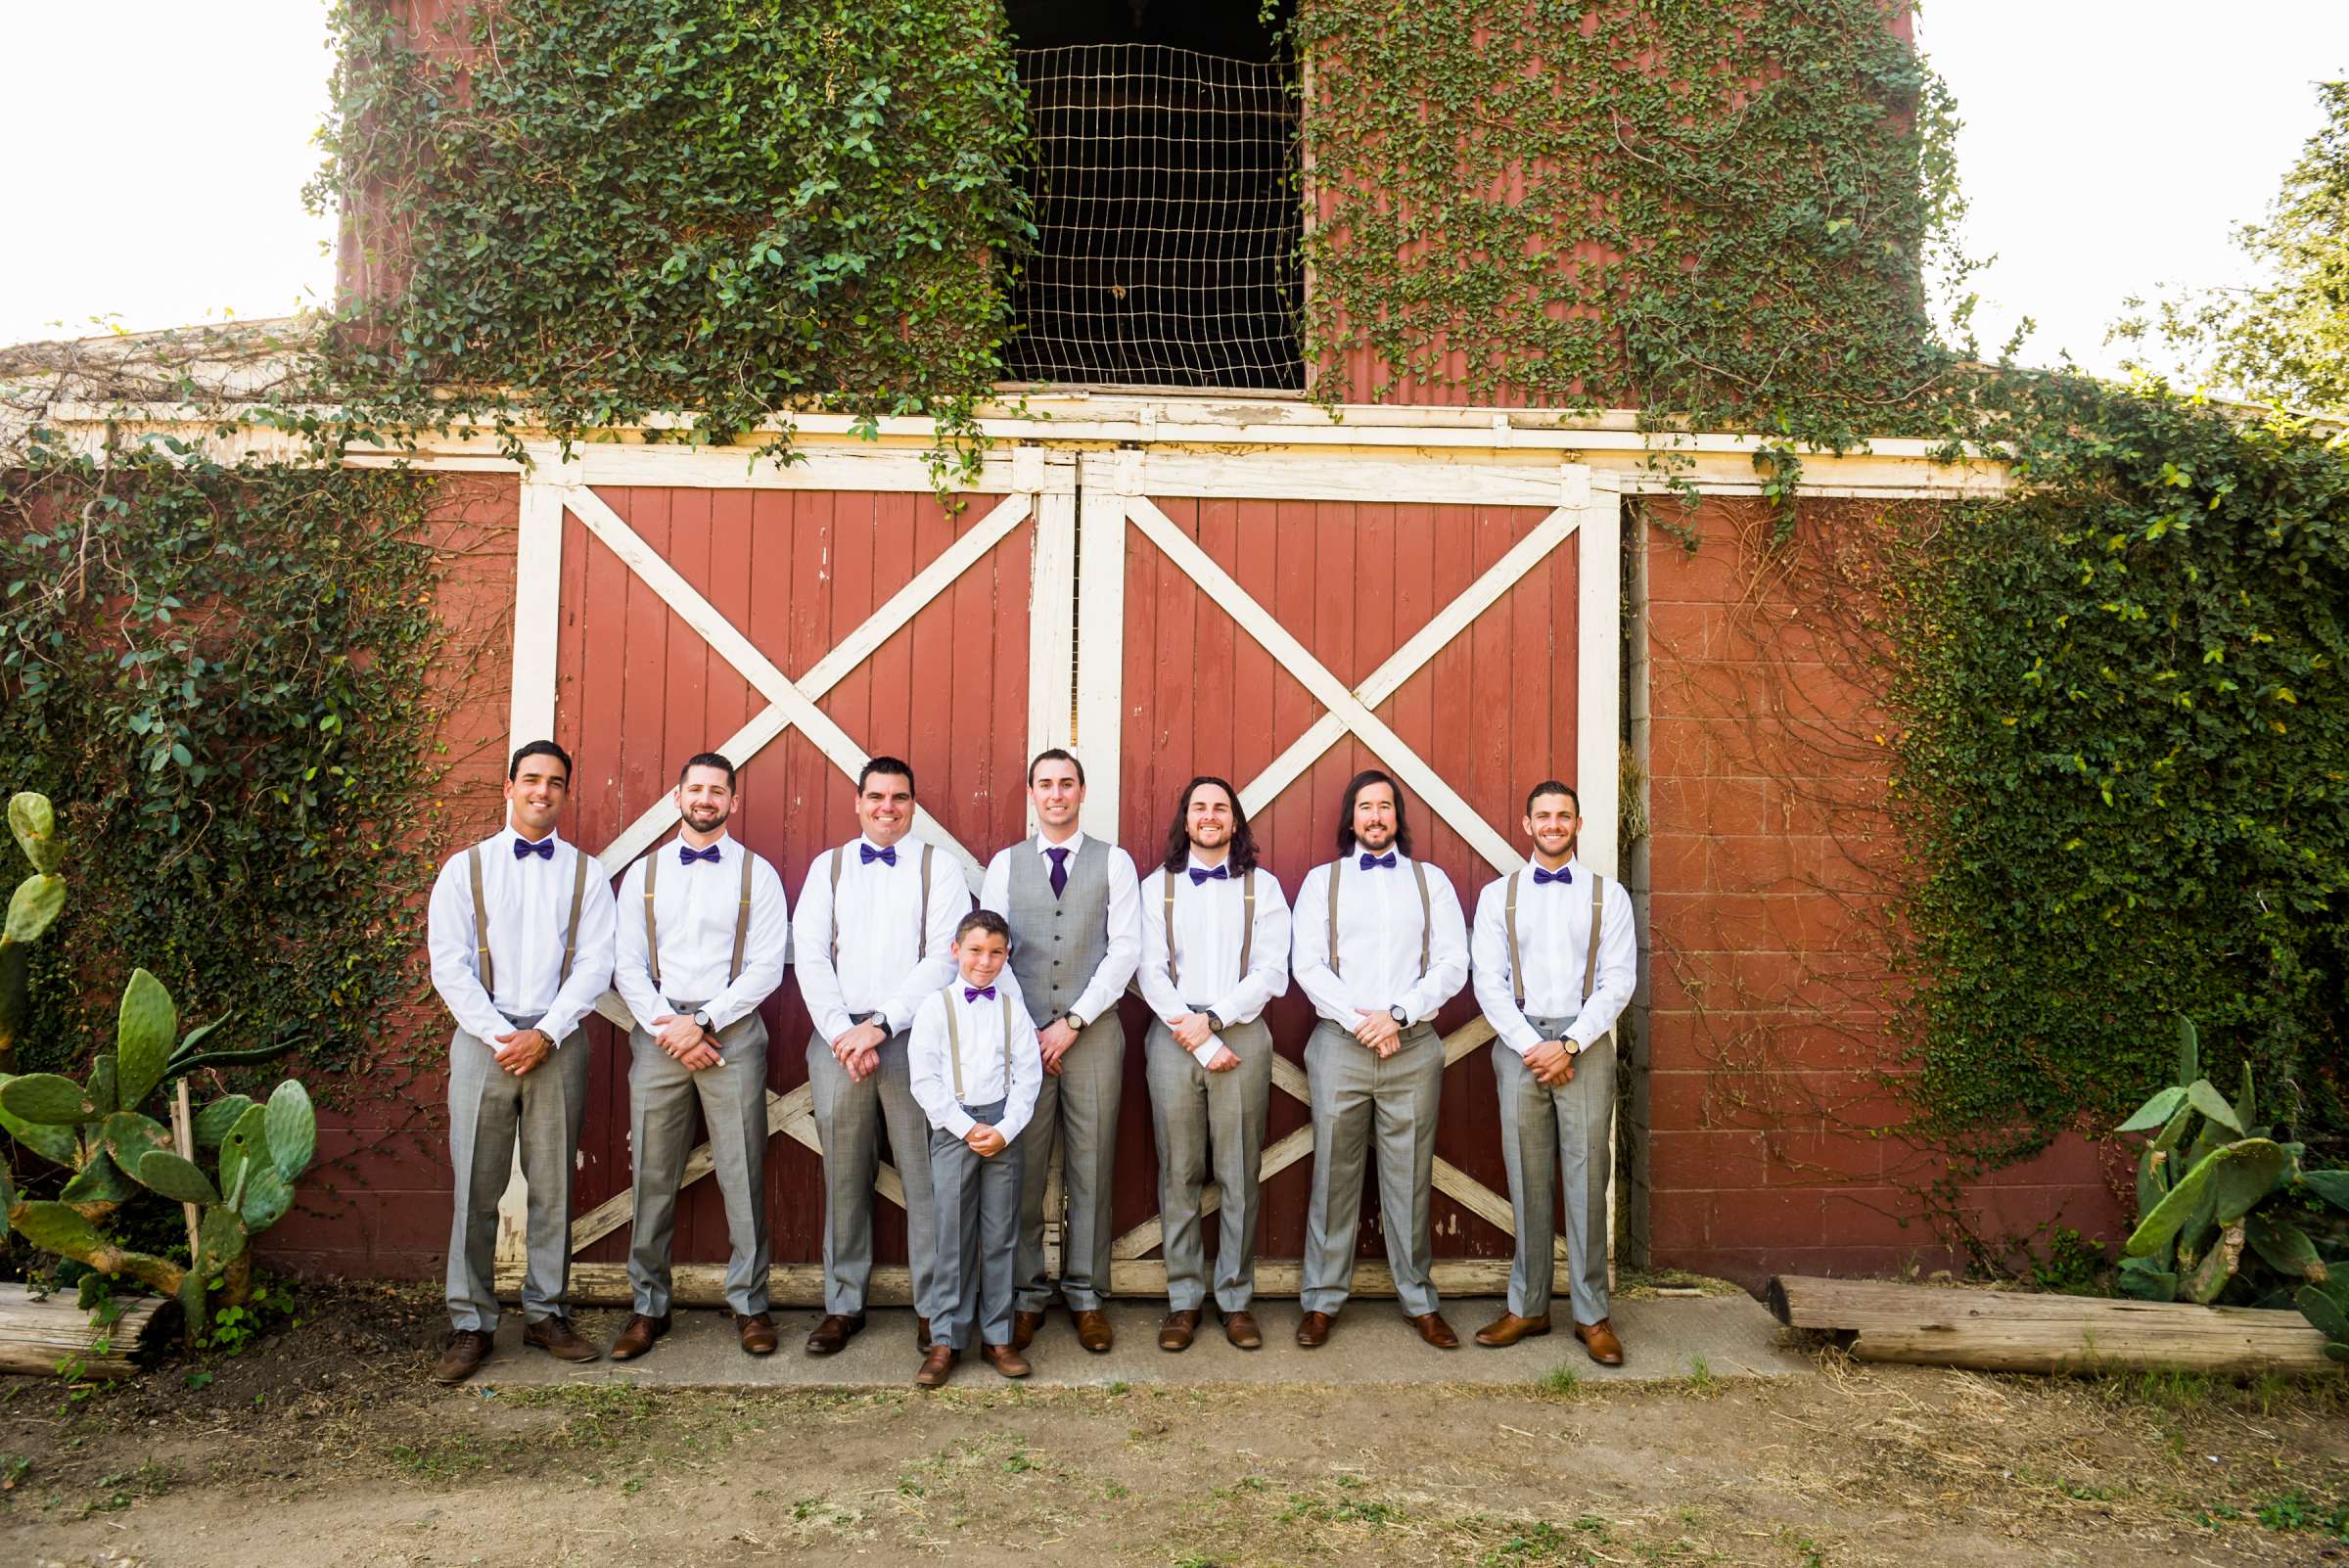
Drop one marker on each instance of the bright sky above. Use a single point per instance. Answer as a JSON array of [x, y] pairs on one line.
[[2110, 147]]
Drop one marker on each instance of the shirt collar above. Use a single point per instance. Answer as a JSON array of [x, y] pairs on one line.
[[507, 834], [1574, 864], [1192, 859], [1076, 843], [722, 842]]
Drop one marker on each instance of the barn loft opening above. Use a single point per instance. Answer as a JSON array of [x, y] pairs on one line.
[[1162, 164]]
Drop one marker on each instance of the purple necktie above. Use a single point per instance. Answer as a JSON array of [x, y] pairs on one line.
[[545, 848], [971, 994], [1563, 874], [1060, 870]]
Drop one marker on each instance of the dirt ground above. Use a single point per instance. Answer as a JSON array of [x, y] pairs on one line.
[[323, 1445]]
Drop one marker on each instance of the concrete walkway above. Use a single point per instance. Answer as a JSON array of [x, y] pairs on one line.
[[1664, 1339]]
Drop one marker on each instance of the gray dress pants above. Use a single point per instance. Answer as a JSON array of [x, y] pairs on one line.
[[488, 1109], [1207, 1120], [732, 1095], [1356, 1097], [848, 1116], [1545, 1131], [977, 1245], [1077, 1111]]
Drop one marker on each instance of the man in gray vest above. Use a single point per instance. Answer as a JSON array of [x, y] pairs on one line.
[[519, 932], [702, 928], [1556, 961], [1380, 946], [1074, 908]]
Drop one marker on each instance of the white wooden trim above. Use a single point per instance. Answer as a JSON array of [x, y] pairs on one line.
[[1445, 479], [1599, 675], [538, 614], [862, 467], [1100, 734], [1329, 691], [1051, 630]]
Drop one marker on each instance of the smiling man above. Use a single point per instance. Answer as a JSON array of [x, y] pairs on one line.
[[873, 940], [520, 934]]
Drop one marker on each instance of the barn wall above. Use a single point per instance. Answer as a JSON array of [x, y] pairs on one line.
[[1775, 1080]]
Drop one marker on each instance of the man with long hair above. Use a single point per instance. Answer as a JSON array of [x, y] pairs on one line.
[[1556, 961], [1380, 946], [1215, 951]]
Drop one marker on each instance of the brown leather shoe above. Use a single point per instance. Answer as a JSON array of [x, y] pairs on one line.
[[1240, 1328], [467, 1349], [1005, 1358], [1175, 1335], [1022, 1328], [1509, 1328], [1092, 1331], [834, 1333], [1313, 1329], [638, 1336], [937, 1367], [921, 1335], [756, 1332], [556, 1337], [1436, 1331], [1600, 1339]]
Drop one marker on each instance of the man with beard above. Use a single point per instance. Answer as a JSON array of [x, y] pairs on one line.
[[700, 946], [1215, 951], [1381, 945], [520, 934], [1556, 961], [872, 940], [1075, 909]]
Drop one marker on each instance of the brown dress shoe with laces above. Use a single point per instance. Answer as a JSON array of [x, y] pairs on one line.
[[1240, 1328], [1599, 1340], [1436, 1331], [921, 1335], [556, 1337], [1022, 1328], [1005, 1360], [467, 1349], [1509, 1328], [1092, 1331], [1175, 1335], [937, 1367], [638, 1336], [756, 1330], [831, 1335], [1312, 1330]]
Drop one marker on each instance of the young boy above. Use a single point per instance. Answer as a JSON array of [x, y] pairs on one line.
[[976, 1067]]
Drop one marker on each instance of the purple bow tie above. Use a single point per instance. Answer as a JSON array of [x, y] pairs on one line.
[[866, 854], [1371, 862], [1563, 874], [686, 856], [545, 848], [1220, 873], [971, 994]]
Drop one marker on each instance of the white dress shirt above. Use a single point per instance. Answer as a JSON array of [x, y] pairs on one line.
[[1379, 927], [1207, 948], [696, 908], [879, 921], [931, 1059], [1125, 952], [529, 900], [1553, 936]]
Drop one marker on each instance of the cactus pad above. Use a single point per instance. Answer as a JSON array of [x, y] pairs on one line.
[[176, 1179], [34, 908], [144, 1035], [48, 1099], [214, 1121], [293, 1131], [33, 821]]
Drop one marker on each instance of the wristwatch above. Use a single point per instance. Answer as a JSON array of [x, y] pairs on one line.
[[1573, 1047], [1071, 1019], [1396, 1013], [1214, 1023], [700, 1018]]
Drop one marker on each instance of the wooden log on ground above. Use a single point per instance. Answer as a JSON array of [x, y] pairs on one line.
[[37, 1333], [2002, 1331]]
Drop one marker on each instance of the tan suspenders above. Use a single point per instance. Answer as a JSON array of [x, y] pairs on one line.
[[742, 917], [1247, 926], [480, 918], [921, 915], [1598, 912], [1427, 914], [955, 1038]]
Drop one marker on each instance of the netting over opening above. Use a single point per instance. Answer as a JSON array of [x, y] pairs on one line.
[[1168, 221]]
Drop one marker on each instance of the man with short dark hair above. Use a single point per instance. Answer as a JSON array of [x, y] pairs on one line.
[[520, 934], [1214, 952], [1380, 946], [1556, 961], [1074, 905], [873, 938], [703, 924]]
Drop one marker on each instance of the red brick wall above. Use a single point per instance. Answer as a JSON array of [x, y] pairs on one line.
[[378, 1202], [1774, 1099]]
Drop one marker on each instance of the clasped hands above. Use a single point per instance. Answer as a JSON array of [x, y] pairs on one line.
[[693, 1046], [1551, 1063], [984, 1141], [859, 1050], [1192, 1031], [1379, 1032]]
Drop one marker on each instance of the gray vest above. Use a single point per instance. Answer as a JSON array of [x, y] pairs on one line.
[[1057, 944]]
